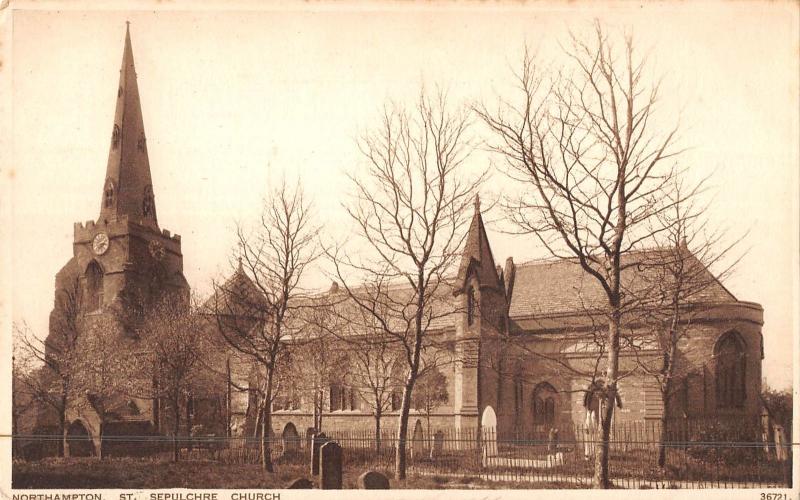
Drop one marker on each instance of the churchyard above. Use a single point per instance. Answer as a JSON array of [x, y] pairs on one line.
[[696, 456]]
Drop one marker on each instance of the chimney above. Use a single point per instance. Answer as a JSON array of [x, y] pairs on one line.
[[509, 274]]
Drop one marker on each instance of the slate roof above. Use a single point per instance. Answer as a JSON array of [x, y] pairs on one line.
[[541, 288], [556, 287]]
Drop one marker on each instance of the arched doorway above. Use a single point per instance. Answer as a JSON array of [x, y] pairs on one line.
[[291, 439], [79, 441]]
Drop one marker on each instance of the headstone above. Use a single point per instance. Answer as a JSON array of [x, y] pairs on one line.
[[316, 442], [372, 480], [330, 466], [309, 437], [291, 440], [489, 429], [552, 440], [438, 444], [417, 441], [781, 453], [300, 484]]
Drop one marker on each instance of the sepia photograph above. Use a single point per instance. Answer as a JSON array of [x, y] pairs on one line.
[[399, 246]]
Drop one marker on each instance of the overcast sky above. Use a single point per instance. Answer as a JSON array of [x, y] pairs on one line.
[[233, 100]]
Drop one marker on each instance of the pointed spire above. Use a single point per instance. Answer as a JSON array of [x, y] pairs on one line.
[[128, 189], [477, 254]]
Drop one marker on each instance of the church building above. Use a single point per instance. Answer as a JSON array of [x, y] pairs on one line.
[[519, 340]]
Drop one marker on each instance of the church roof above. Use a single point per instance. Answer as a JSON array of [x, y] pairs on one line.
[[238, 295], [542, 288], [555, 287], [128, 189]]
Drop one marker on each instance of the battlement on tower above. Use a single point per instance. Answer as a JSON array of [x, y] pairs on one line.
[[85, 231]]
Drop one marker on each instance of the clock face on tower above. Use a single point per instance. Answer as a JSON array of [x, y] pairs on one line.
[[100, 243]]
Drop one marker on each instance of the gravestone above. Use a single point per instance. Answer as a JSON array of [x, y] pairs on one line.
[[552, 440], [300, 484], [781, 452], [316, 442], [438, 444], [291, 439], [489, 429], [417, 441], [330, 466], [372, 480], [309, 437]]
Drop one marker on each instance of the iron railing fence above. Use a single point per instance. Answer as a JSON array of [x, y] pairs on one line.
[[697, 454]]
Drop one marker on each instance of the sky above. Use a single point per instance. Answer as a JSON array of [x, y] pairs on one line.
[[234, 100]]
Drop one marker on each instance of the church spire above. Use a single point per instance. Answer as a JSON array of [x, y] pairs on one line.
[[477, 254], [128, 189]]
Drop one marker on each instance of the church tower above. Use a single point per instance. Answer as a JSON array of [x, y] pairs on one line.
[[124, 257], [481, 297], [123, 264]]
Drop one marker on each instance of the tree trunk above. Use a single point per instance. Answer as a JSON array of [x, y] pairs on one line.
[[402, 430], [378, 432], [318, 395], [176, 430], [601, 477], [266, 425], [430, 438], [666, 387], [662, 443], [100, 441], [189, 408], [65, 441], [63, 446], [228, 399]]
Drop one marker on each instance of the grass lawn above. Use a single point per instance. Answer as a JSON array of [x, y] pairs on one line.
[[131, 473]]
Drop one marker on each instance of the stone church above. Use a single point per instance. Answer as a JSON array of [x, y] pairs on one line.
[[514, 330], [122, 262]]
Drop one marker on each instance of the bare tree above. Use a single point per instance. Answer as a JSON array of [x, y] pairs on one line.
[[255, 311], [171, 337], [594, 167], [373, 364], [431, 392], [319, 358], [690, 262], [26, 390], [57, 355], [103, 379], [410, 209]]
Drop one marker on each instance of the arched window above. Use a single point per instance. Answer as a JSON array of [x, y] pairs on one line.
[[518, 394], [94, 286], [731, 361], [397, 400], [108, 195], [115, 136], [148, 202], [544, 404], [336, 397], [470, 305], [353, 399], [343, 398]]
